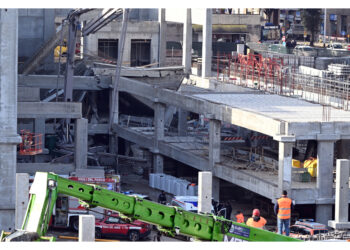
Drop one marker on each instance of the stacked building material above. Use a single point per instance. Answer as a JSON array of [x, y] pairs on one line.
[[314, 72], [172, 185], [339, 69]]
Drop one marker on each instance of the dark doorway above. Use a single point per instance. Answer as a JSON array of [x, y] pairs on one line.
[[108, 48], [140, 52]]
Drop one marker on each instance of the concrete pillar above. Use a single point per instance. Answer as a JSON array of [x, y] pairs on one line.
[[342, 191], [343, 149], [8, 116], [216, 188], [159, 112], [86, 228], [285, 167], [204, 192], [207, 44], [324, 182], [341, 196], [158, 163], [182, 122], [214, 142], [187, 42], [39, 128], [81, 143], [162, 37], [22, 196]]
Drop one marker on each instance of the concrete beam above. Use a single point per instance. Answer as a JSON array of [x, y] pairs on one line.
[[49, 110], [57, 168], [50, 82]]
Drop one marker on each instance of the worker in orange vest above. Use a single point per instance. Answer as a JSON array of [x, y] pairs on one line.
[[256, 220], [239, 217], [283, 210]]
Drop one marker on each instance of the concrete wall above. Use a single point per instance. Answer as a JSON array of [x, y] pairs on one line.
[[135, 30], [238, 19]]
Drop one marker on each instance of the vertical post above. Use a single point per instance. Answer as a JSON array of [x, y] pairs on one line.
[[39, 128], [22, 195], [324, 182], [81, 143], [182, 122], [214, 142], [217, 64], [114, 115], [162, 37], [204, 192], [207, 44], [342, 191], [158, 161], [285, 151], [341, 221], [8, 116], [187, 42], [86, 228]]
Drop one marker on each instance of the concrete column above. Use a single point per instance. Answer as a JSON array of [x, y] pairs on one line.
[[324, 182], [86, 228], [343, 151], [207, 44], [158, 163], [341, 196], [22, 196], [182, 122], [204, 192], [342, 191], [8, 116], [187, 42], [216, 188], [162, 37], [81, 143], [214, 142], [39, 128], [127, 51], [285, 166], [159, 115]]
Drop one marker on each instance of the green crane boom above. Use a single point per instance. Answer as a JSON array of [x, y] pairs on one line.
[[173, 220]]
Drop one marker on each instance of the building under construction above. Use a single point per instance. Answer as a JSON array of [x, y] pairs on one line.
[[144, 99]]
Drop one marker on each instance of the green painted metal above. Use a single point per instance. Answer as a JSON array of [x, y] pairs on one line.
[[169, 219]]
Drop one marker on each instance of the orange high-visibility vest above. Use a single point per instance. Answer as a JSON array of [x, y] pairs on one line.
[[240, 218], [284, 208], [258, 224]]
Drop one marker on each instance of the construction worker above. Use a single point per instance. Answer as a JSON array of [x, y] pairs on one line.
[[239, 217], [283, 209], [162, 198], [256, 220]]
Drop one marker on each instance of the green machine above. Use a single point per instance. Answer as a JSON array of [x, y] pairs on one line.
[[170, 220]]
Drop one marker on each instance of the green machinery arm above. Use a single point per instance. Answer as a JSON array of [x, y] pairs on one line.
[[173, 220]]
